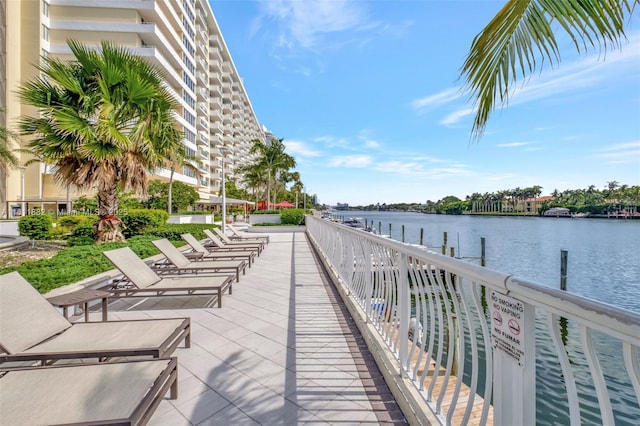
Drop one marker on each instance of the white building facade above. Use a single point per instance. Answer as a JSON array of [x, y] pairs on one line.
[[179, 37]]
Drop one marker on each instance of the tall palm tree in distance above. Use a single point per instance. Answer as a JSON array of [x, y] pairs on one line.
[[8, 157], [272, 158], [105, 121], [520, 38]]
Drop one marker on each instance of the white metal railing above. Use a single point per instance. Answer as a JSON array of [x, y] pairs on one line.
[[485, 347]]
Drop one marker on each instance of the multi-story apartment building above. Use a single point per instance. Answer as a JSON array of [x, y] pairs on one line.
[[180, 37]]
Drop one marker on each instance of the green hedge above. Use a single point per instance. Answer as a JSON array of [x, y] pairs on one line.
[[36, 226], [76, 263], [137, 221], [173, 231], [72, 221], [292, 217]]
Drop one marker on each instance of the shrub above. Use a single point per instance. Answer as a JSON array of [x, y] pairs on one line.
[[57, 233], [136, 222], [84, 230], [266, 212], [70, 222], [35, 226], [292, 217], [81, 240], [174, 230]]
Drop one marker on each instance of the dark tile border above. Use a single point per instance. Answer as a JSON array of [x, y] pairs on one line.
[[382, 400]]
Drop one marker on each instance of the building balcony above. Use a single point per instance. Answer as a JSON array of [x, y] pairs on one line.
[[202, 124]]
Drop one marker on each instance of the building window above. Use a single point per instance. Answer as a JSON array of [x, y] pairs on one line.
[[188, 171], [189, 152], [188, 46], [45, 8], [188, 64], [45, 33], [187, 27], [187, 10], [189, 135], [187, 80], [190, 118], [189, 99]]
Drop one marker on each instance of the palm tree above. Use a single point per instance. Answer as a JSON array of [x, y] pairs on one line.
[[511, 45], [175, 159], [8, 159], [255, 177], [105, 121], [272, 158]]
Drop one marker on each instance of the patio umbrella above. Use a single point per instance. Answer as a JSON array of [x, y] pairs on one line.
[[284, 205]]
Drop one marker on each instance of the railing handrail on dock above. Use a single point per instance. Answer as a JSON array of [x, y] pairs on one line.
[[450, 323]]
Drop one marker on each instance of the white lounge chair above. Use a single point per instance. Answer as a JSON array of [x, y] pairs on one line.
[[227, 241], [145, 282], [200, 252], [108, 393], [31, 329], [219, 243], [177, 262], [238, 236]]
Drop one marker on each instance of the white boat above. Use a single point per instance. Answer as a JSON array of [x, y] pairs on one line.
[[580, 215]]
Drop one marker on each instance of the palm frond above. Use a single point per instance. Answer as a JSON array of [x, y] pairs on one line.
[[520, 39]]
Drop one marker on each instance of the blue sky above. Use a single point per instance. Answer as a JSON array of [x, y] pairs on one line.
[[367, 97]]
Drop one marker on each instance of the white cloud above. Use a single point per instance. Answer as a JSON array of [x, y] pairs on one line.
[[456, 116], [434, 101], [300, 148], [622, 153], [626, 145], [303, 23], [451, 171], [399, 167], [332, 142], [354, 161], [512, 144], [371, 144]]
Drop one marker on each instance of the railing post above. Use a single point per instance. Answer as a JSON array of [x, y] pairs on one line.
[[369, 284], [513, 327], [483, 256], [404, 312]]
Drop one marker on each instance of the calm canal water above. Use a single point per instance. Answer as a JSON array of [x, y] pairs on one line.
[[604, 254], [604, 265]]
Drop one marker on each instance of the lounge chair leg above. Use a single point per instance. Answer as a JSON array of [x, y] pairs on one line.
[[173, 393]]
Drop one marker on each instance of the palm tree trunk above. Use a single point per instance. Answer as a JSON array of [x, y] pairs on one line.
[[169, 192], [268, 189], [108, 226]]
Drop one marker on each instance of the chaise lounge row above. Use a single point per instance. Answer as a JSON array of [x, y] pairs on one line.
[[122, 392]]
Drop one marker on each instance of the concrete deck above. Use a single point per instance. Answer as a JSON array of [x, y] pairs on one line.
[[280, 351]]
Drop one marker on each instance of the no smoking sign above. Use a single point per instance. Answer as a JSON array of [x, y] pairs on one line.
[[507, 316]]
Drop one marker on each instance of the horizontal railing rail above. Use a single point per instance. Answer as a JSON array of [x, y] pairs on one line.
[[481, 346]]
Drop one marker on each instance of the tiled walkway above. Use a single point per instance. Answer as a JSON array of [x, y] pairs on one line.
[[280, 351]]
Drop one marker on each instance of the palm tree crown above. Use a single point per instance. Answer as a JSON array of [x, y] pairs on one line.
[[520, 38], [273, 159], [105, 121]]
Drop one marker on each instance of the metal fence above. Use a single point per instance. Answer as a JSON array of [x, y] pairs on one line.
[[485, 347]]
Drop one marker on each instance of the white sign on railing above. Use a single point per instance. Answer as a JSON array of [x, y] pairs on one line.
[[507, 322]]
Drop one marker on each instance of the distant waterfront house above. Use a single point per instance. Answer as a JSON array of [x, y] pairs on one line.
[[557, 212]]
